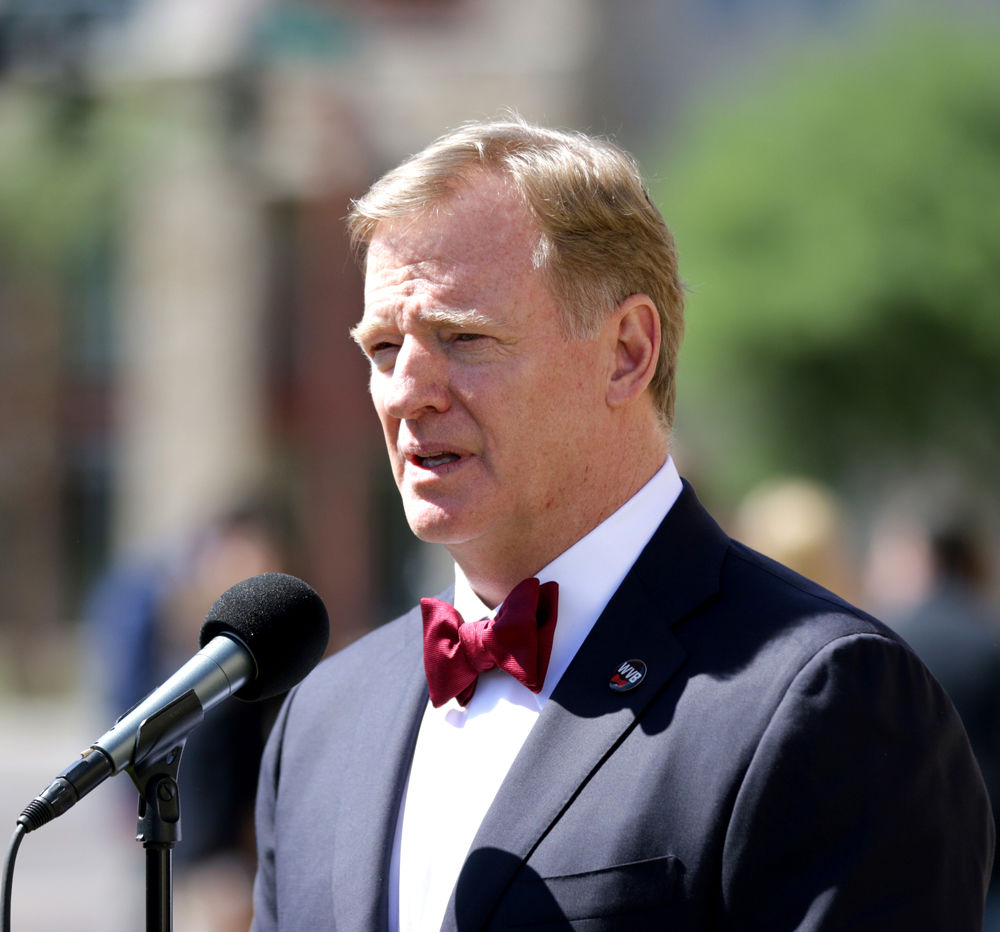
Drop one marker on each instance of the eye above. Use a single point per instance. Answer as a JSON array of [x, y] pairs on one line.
[[466, 336], [382, 353]]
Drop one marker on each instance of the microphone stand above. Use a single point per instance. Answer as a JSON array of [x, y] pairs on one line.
[[159, 744]]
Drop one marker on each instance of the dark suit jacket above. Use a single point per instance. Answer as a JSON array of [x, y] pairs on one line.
[[787, 763]]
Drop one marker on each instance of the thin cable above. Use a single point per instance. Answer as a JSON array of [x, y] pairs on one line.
[[8, 875]]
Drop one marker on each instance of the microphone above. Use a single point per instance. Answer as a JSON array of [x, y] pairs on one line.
[[260, 638]]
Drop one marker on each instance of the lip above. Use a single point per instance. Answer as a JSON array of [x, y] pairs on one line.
[[430, 460]]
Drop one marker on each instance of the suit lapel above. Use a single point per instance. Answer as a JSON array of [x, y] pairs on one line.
[[368, 805], [584, 720]]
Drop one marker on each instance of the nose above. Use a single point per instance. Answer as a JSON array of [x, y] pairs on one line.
[[418, 381]]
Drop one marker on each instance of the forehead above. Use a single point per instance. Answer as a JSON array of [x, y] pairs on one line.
[[479, 239]]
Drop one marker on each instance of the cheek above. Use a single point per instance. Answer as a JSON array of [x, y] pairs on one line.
[[390, 432], [539, 429], [376, 388], [390, 426]]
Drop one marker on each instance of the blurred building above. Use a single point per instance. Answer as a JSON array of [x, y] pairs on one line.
[[176, 337], [175, 285]]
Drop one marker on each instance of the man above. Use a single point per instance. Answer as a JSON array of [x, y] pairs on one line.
[[714, 743]]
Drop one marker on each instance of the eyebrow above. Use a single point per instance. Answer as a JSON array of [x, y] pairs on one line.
[[435, 316], [360, 330]]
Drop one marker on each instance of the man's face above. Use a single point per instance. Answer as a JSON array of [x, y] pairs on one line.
[[485, 404]]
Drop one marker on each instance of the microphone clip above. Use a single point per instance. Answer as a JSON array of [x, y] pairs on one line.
[[159, 744]]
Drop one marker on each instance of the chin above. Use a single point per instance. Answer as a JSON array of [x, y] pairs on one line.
[[435, 525], [430, 525]]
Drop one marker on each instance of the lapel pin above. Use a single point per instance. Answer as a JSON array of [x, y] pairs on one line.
[[629, 674]]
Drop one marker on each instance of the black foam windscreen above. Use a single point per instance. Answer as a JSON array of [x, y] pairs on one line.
[[282, 622]]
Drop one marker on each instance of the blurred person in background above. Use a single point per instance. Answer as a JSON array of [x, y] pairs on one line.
[[618, 717], [145, 618], [956, 631], [799, 522]]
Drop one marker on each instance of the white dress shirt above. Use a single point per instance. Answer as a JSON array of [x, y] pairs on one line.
[[469, 750]]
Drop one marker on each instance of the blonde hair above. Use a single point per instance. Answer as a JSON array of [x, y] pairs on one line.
[[601, 238]]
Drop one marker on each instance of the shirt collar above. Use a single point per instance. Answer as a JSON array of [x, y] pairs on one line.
[[591, 570]]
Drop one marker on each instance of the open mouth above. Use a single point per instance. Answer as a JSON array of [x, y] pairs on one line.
[[436, 459]]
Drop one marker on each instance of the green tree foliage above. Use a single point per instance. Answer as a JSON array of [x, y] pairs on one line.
[[839, 231], [67, 156]]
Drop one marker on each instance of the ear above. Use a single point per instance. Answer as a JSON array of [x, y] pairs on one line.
[[637, 349]]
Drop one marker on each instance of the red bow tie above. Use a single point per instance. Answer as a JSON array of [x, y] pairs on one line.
[[518, 640]]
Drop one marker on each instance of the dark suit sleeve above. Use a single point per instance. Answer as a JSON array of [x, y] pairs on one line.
[[862, 808]]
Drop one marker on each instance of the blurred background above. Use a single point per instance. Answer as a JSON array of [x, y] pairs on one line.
[[182, 407]]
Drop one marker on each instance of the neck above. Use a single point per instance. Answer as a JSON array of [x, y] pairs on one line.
[[493, 570]]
